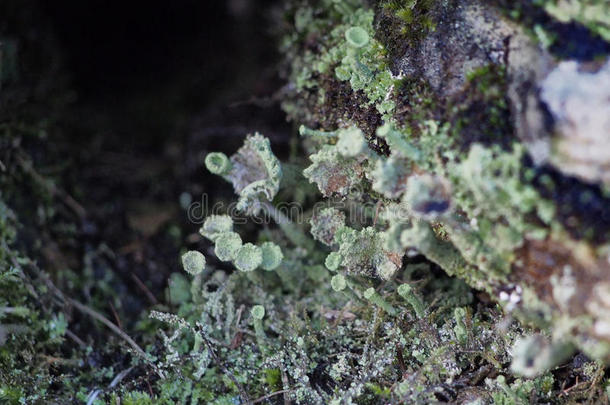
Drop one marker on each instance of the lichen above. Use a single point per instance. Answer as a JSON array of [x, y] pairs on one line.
[[475, 206], [193, 262], [325, 223], [254, 171], [435, 258], [333, 173]]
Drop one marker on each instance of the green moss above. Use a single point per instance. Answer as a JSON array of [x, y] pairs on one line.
[[417, 17], [480, 113], [401, 25]]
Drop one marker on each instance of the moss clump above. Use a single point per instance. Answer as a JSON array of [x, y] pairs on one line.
[[401, 25], [480, 113]]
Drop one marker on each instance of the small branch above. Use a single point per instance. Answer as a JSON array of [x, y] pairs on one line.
[[273, 394], [150, 390], [285, 384], [401, 361], [116, 380], [51, 188], [116, 316], [78, 340], [143, 287], [96, 315], [239, 313], [208, 343]]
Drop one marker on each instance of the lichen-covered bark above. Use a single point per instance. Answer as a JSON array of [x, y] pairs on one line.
[[508, 104]]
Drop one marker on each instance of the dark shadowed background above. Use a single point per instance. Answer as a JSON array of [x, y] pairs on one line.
[[141, 91]]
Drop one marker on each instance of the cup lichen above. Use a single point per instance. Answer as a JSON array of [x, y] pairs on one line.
[[193, 262]]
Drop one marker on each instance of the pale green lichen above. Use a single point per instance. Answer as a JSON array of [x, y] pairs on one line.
[[399, 143], [534, 355], [374, 297], [425, 188], [193, 262], [218, 163], [349, 47], [467, 207], [362, 253], [254, 171], [325, 223], [304, 131], [338, 282], [406, 292], [392, 236], [428, 197], [333, 173], [272, 256], [390, 176], [248, 257], [258, 313], [443, 253], [460, 329], [351, 143], [216, 225], [493, 252], [488, 187], [227, 245], [333, 261], [357, 37]]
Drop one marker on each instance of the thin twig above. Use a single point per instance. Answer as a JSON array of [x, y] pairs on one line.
[[401, 361], [78, 209], [78, 340], [261, 399], [116, 380], [342, 313], [60, 360], [150, 390], [148, 293], [242, 392], [239, 313], [96, 315], [285, 385], [116, 315], [566, 391]]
